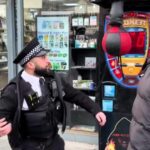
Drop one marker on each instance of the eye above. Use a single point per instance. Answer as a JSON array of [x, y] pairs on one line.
[[43, 57]]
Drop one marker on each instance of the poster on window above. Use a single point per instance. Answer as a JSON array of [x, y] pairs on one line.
[[115, 133], [53, 34]]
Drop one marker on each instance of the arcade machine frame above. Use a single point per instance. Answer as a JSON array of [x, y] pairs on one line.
[[124, 97]]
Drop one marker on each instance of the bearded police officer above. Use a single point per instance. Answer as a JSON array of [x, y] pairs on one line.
[[32, 104]]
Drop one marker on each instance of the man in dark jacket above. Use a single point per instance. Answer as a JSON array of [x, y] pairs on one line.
[[140, 124], [32, 104]]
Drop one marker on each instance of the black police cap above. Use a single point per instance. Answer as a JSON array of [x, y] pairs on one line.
[[32, 49]]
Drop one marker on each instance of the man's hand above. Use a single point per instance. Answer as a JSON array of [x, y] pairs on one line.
[[101, 118], [5, 127]]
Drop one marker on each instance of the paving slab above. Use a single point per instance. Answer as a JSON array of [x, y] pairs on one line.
[[69, 145]]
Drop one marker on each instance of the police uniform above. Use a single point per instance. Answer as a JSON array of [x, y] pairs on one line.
[[35, 115]]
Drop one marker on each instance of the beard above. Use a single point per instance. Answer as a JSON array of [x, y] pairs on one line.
[[46, 72]]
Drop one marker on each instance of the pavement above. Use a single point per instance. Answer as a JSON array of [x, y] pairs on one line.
[[69, 145]]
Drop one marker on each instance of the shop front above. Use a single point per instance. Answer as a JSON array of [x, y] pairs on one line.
[[68, 29]]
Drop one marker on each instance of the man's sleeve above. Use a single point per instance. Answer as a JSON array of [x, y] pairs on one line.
[[8, 103], [73, 95]]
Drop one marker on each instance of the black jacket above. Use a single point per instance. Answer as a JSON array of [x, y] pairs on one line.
[[140, 125], [12, 99]]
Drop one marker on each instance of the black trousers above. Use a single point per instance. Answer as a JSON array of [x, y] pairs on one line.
[[36, 144]]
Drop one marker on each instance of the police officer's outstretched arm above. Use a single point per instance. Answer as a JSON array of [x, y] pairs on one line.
[[79, 98], [101, 118], [7, 110]]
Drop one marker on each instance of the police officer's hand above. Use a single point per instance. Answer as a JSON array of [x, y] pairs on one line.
[[101, 118], [5, 127]]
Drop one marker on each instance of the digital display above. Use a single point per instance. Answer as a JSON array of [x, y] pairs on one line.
[[138, 42], [109, 91], [107, 105], [138, 37]]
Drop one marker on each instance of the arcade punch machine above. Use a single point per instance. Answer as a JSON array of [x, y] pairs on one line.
[[123, 49]]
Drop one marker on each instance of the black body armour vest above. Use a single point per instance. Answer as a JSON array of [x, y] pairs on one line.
[[44, 113], [41, 120]]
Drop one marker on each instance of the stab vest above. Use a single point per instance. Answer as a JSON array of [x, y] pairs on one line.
[[40, 120], [59, 115]]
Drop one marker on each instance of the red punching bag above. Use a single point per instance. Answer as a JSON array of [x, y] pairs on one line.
[[116, 41]]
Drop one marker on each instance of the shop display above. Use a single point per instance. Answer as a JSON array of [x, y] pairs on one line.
[[83, 63]]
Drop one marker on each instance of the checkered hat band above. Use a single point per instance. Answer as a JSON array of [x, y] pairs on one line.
[[31, 54]]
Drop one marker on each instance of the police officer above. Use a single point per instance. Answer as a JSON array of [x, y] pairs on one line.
[[32, 104]]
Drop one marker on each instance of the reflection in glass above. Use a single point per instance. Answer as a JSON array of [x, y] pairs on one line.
[[3, 45]]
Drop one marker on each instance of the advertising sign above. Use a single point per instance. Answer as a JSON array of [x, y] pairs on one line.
[[53, 34], [115, 134]]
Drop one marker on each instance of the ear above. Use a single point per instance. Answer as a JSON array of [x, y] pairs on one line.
[[30, 65]]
